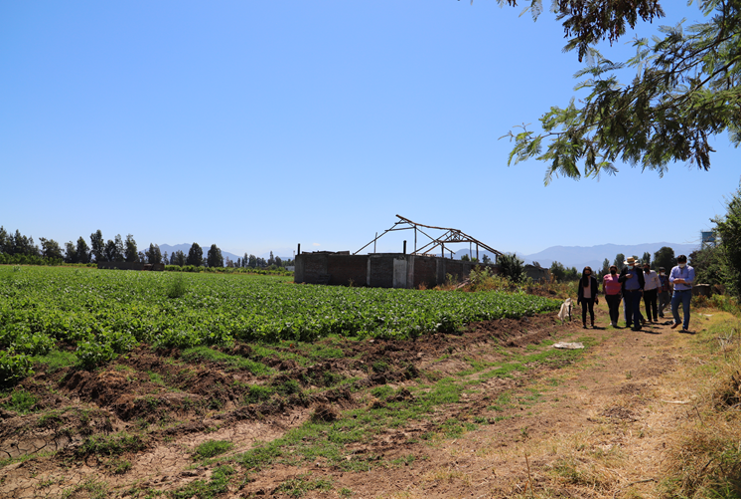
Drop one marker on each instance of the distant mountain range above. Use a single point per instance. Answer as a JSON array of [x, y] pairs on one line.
[[186, 247], [593, 256], [569, 256]]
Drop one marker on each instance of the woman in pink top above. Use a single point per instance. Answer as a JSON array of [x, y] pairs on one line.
[[613, 291]]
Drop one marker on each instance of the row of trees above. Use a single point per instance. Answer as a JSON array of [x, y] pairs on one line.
[[513, 267], [123, 250]]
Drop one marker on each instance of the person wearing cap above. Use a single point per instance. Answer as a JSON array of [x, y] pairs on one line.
[[682, 276], [664, 291], [650, 292], [631, 279]]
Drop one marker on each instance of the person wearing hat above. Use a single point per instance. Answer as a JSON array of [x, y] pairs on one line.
[[682, 276], [664, 291], [631, 279]]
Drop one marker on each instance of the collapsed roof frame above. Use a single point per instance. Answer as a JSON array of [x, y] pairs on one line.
[[451, 236]]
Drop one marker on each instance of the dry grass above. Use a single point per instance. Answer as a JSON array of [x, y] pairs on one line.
[[705, 461]]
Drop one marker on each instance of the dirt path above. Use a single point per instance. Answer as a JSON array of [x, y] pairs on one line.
[[597, 428]]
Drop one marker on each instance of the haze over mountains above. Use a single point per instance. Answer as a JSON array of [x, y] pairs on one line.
[[593, 256], [569, 256]]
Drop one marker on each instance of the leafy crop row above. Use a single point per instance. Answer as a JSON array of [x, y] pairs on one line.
[[104, 313]]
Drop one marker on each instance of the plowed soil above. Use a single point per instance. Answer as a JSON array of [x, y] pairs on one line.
[[531, 430]]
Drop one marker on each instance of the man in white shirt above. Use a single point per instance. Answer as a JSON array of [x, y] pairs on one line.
[[650, 293], [682, 276]]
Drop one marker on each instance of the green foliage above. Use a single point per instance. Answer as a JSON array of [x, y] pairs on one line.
[[111, 445], [20, 401], [201, 489], [153, 254], [299, 486], [707, 264], [91, 353], [103, 314], [259, 393], [212, 448], [195, 255], [209, 354], [261, 455], [664, 257], [55, 360], [177, 288], [483, 278], [686, 91], [131, 253], [512, 268], [562, 274], [13, 367], [214, 259], [729, 230]]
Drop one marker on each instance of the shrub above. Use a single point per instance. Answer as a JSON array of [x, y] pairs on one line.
[[13, 367], [91, 353], [177, 288]]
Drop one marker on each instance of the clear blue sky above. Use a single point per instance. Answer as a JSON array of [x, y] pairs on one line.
[[260, 125]]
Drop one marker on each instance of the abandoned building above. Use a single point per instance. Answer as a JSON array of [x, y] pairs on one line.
[[422, 267]]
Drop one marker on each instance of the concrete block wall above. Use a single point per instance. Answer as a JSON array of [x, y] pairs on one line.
[[425, 271], [377, 269], [346, 268], [381, 270]]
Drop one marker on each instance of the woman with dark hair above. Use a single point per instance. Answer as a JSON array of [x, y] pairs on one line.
[[613, 294], [587, 296]]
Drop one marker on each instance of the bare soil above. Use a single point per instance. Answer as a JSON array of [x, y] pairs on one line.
[[595, 428]]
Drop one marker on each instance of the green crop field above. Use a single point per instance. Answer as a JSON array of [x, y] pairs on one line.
[[99, 314]]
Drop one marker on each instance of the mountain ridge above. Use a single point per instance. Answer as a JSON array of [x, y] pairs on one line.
[[593, 256]]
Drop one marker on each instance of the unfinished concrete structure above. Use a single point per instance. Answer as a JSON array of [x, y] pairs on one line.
[[392, 270]]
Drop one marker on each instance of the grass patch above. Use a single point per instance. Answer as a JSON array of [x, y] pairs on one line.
[[177, 287], [202, 489], [706, 460], [111, 445], [20, 401], [212, 448], [156, 378], [209, 354], [299, 486], [93, 488], [258, 393], [55, 360], [24, 458]]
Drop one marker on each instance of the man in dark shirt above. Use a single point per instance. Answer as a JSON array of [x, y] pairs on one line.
[[664, 291], [631, 278]]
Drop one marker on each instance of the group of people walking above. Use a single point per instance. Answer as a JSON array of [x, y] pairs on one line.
[[635, 283]]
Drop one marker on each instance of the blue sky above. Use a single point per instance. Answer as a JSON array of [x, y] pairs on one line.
[[260, 125]]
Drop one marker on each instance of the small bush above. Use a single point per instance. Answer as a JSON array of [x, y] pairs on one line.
[[177, 288], [91, 354], [13, 367]]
